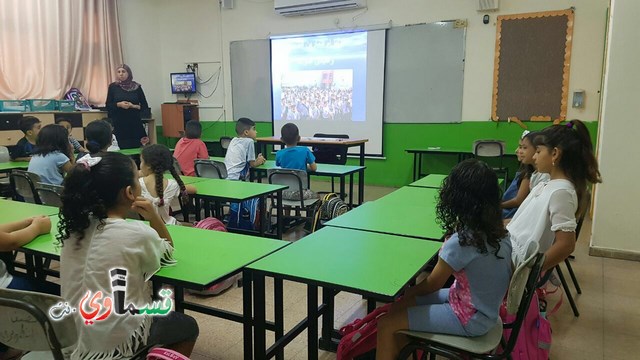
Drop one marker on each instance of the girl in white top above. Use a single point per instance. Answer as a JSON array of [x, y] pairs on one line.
[[548, 214], [155, 160], [98, 193]]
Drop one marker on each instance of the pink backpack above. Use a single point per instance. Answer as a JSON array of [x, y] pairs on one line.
[[165, 354], [214, 224], [359, 337], [534, 338]]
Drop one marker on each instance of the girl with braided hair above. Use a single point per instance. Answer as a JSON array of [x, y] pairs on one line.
[[155, 161]]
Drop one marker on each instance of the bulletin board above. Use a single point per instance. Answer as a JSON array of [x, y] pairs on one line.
[[532, 61]]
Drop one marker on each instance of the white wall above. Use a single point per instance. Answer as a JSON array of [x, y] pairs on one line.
[[617, 201], [159, 36]]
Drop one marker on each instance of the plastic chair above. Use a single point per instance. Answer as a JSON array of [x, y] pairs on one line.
[[49, 194], [297, 181], [23, 185], [224, 144], [25, 322], [328, 154], [210, 169], [4, 179], [4, 154], [521, 290], [492, 149]]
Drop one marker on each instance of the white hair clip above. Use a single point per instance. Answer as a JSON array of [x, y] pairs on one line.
[[524, 133], [88, 162]]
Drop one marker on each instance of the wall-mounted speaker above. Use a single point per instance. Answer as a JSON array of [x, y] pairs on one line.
[[227, 4]]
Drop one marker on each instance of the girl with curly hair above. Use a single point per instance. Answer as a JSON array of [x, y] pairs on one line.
[[155, 161], [98, 194], [477, 253]]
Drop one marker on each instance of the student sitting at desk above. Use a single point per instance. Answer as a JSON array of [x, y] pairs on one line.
[[295, 157], [241, 152], [30, 126], [190, 148], [53, 156]]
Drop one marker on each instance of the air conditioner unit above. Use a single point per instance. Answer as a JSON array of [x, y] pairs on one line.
[[306, 7]]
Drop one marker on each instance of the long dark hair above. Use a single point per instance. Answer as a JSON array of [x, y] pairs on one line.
[[577, 159], [159, 159], [469, 204], [52, 138], [91, 192]]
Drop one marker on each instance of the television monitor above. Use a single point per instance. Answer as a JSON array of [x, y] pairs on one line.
[[183, 83]]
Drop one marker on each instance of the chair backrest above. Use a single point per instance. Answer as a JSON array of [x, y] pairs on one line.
[[224, 142], [327, 154], [25, 322], [583, 215], [210, 169], [176, 166], [23, 184], [49, 194], [488, 148], [295, 179], [4, 154]]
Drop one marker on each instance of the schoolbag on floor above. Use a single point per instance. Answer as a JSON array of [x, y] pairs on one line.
[[534, 338], [331, 206], [359, 337], [245, 215]]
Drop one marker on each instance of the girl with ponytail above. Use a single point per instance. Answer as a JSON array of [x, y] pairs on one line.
[[155, 161], [98, 193], [548, 215]]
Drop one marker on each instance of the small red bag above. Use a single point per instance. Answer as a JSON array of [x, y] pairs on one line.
[[359, 337]]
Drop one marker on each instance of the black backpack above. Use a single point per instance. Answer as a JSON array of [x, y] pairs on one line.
[[331, 206]]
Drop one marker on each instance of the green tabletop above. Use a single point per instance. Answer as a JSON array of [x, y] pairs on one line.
[[187, 180], [442, 149], [4, 166], [205, 256], [46, 243], [134, 151], [356, 261], [323, 169], [430, 181], [228, 190], [408, 211], [16, 210]]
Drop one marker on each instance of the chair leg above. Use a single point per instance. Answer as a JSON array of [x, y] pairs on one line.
[[573, 276], [565, 286]]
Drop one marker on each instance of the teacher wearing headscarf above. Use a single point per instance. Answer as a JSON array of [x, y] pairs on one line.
[[125, 100]]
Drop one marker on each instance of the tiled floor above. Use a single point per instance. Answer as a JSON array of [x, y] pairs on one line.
[[608, 326]]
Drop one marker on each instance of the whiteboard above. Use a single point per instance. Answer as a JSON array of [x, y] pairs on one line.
[[424, 73]]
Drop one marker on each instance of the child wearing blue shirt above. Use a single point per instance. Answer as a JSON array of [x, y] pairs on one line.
[[295, 157], [30, 126]]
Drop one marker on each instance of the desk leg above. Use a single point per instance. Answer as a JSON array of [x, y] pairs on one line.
[[312, 324], [419, 165], [326, 341], [415, 166], [197, 208], [259, 324], [265, 220], [361, 187], [280, 212], [247, 315], [179, 298], [351, 191], [342, 188], [278, 313], [371, 305]]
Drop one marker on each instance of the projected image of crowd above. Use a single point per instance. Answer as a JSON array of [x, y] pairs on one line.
[[316, 103]]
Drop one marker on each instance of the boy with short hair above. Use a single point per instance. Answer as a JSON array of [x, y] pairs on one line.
[[190, 147], [30, 126], [241, 152], [75, 143], [295, 157]]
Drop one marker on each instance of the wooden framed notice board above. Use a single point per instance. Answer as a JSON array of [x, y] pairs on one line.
[[531, 71]]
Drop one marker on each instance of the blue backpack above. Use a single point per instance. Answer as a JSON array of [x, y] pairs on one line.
[[245, 215]]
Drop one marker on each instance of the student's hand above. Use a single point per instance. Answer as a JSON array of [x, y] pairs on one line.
[[42, 224], [260, 160], [145, 208]]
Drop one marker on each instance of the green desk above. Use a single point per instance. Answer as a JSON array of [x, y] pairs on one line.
[[331, 170], [238, 191], [408, 211], [187, 180], [16, 210], [8, 166], [129, 152], [430, 181], [374, 265]]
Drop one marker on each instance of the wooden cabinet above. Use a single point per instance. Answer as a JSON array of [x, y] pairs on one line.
[[10, 124], [176, 115]]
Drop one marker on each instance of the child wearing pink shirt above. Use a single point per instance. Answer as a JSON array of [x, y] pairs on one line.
[[190, 148]]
